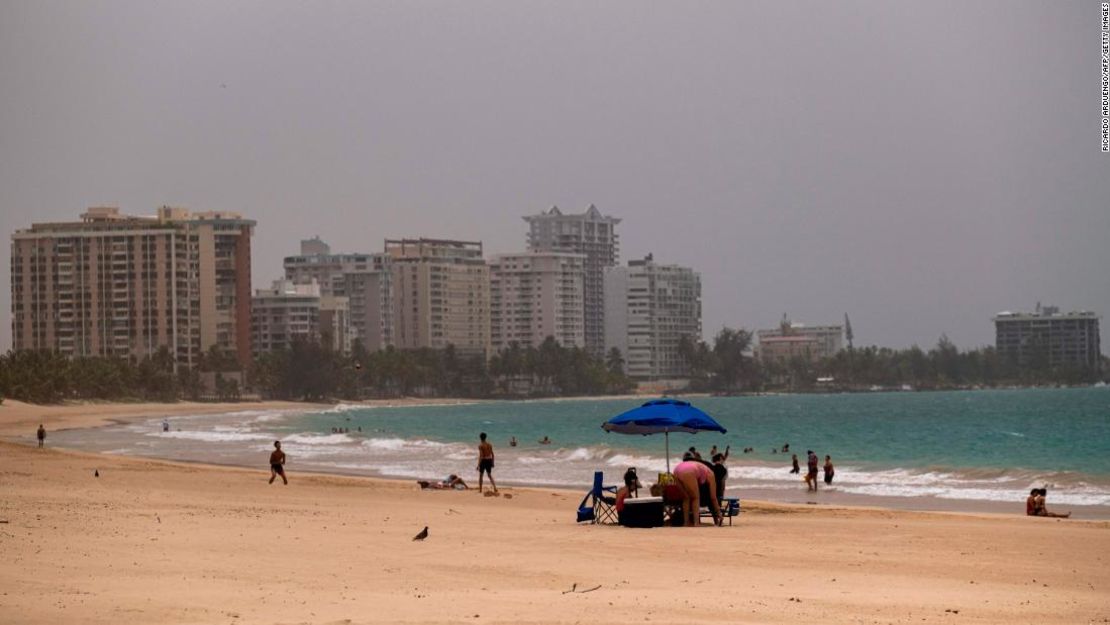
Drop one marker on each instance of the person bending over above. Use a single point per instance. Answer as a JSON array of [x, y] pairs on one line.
[[692, 476]]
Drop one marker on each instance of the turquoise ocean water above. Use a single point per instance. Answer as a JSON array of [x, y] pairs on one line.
[[989, 445]]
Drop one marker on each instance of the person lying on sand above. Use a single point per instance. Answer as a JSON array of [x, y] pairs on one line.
[[452, 482]]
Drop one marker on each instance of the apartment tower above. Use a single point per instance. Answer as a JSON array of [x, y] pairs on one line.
[[535, 295], [592, 235], [440, 295], [1047, 337], [648, 309], [125, 286], [365, 280]]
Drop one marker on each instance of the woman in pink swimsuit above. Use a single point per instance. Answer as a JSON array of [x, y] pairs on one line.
[[690, 475]]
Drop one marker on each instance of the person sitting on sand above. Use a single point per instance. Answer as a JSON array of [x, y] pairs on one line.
[[796, 468], [277, 464], [1031, 502], [1042, 509], [693, 476], [828, 470]]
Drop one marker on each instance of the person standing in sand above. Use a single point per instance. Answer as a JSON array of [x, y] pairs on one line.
[[41, 435], [277, 464], [485, 462]]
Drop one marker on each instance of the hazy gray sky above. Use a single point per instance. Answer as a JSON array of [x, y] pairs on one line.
[[919, 165]]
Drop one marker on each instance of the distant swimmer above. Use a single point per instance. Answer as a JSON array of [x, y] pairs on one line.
[[545, 441], [277, 463], [828, 470], [41, 435], [512, 442], [485, 462]]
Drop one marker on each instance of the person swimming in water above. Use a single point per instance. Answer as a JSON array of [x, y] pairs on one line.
[[545, 441]]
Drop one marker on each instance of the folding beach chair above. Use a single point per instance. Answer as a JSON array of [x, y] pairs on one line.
[[602, 501], [730, 507]]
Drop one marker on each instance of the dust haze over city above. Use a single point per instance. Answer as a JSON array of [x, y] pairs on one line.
[[917, 166]]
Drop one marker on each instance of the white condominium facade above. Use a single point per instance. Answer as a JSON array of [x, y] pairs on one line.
[[594, 236], [441, 295], [534, 295], [648, 309]]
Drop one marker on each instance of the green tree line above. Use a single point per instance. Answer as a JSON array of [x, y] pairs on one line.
[[726, 365], [310, 371]]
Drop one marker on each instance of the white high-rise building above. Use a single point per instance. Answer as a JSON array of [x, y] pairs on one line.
[[284, 313], [648, 309], [535, 295], [594, 236]]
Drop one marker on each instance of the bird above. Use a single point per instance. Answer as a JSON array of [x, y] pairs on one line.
[[96, 472], [422, 535]]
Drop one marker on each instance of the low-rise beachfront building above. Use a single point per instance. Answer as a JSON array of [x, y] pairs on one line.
[[783, 349], [126, 286], [364, 279], [284, 313], [441, 295], [534, 295], [649, 308], [1049, 338], [822, 341]]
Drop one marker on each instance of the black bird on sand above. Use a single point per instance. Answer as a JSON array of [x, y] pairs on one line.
[[422, 535]]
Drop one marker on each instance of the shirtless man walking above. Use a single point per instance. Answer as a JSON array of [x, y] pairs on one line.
[[485, 462], [277, 464]]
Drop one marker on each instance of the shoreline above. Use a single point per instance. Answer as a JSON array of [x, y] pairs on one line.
[[15, 417]]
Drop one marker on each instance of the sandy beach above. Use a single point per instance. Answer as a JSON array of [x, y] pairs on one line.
[[21, 419], [160, 542]]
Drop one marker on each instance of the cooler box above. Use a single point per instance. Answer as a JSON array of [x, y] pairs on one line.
[[642, 512]]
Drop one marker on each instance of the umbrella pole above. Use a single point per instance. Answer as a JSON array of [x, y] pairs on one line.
[[667, 438]]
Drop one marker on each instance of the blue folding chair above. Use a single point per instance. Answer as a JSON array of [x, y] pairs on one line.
[[602, 501]]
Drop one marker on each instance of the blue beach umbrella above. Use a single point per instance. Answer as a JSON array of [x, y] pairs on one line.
[[663, 416]]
